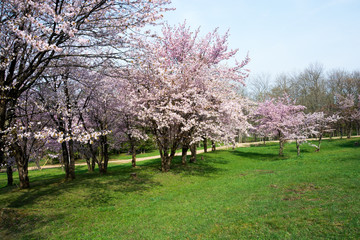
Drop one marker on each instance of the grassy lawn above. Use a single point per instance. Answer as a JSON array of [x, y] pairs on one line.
[[247, 193]]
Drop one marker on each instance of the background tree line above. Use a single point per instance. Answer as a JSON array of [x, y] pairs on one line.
[[314, 87]]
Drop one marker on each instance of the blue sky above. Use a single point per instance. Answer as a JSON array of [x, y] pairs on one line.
[[281, 35]]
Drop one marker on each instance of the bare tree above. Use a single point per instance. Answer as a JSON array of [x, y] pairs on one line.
[[259, 86]]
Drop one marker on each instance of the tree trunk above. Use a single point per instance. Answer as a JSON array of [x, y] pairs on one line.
[[93, 156], [349, 130], [88, 163], [341, 132], [298, 147], [239, 136], [281, 149], [205, 145], [193, 153], [183, 154], [165, 163], [22, 161], [320, 138], [166, 158], [66, 159], [104, 152], [133, 154], [71, 173], [213, 146], [9, 172], [93, 164], [23, 176], [281, 143]]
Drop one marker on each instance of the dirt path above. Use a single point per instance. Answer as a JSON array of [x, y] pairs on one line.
[[144, 158], [177, 154]]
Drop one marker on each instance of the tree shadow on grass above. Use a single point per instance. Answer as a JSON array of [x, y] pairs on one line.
[[259, 156], [91, 188], [24, 211], [350, 143], [21, 223], [205, 165]]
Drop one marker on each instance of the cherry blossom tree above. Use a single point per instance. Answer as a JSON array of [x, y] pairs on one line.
[[347, 110], [322, 124], [278, 117], [35, 33], [127, 127], [305, 128], [177, 77], [22, 139], [64, 97]]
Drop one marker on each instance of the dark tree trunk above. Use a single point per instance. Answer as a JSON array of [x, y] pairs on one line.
[[213, 146], [93, 156], [349, 131], [71, 173], [23, 176], [22, 161], [93, 163], [104, 152], [320, 138], [4, 123], [66, 159], [281, 143], [166, 158], [184, 154], [165, 163], [298, 147], [281, 149], [133, 153], [88, 163], [341, 132], [9, 172], [133, 159], [193, 153], [205, 145]]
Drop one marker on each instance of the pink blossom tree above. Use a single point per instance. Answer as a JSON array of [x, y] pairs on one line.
[[23, 145], [278, 117], [322, 124], [35, 33], [305, 128], [127, 128], [178, 77], [347, 110]]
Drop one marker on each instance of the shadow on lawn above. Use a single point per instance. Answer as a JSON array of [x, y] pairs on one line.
[[92, 189], [21, 223], [204, 166], [256, 156], [350, 143]]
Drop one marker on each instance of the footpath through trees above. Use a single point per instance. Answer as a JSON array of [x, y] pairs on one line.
[[113, 161]]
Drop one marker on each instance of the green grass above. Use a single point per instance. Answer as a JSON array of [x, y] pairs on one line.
[[248, 193]]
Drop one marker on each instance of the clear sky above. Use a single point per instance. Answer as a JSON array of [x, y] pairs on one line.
[[281, 35]]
